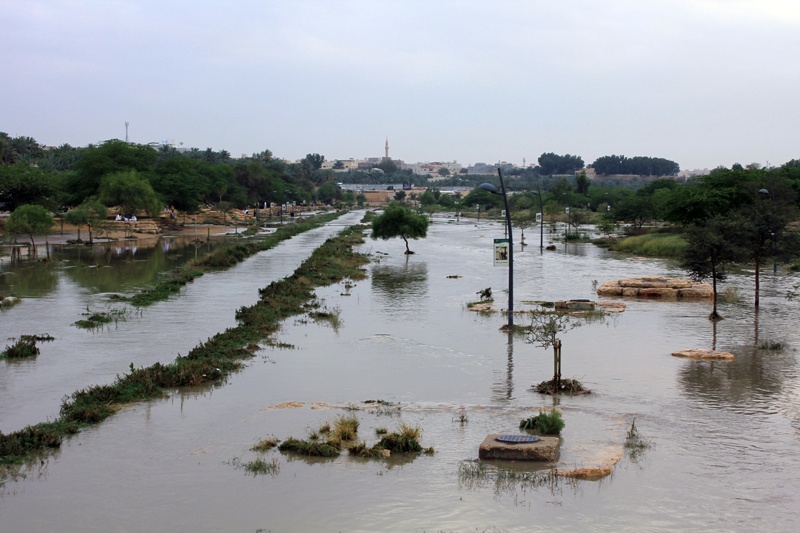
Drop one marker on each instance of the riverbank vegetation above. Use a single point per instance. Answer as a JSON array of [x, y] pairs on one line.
[[651, 245], [209, 362]]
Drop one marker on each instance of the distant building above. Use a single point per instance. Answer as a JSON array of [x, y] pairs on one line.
[[433, 169]]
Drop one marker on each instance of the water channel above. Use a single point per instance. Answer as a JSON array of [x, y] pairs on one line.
[[724, 435]]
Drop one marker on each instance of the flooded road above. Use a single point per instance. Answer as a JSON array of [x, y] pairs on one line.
[[724, 436]]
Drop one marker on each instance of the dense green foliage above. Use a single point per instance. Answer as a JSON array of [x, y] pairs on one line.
[[642, 166], [30, 220], [550, 163], [399, 221]]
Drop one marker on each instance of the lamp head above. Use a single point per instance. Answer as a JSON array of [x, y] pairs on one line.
[[488, 187]]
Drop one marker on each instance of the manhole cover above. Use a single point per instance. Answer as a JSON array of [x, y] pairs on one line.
[[517, 439]]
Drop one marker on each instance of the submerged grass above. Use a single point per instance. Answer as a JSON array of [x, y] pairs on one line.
[[208, 363], [635, 444], [96, 320], [258, 466]]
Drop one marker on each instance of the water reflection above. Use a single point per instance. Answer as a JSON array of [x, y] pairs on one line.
[[107, 267], [29, 280], [401, 288], [754, 378], [503, 383]]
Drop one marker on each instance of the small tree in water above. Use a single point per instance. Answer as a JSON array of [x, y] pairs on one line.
[[399, 221], [30, 220], [714, 244], [546, 326]]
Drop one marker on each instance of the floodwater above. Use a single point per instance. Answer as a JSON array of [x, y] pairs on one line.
[[724, 435]]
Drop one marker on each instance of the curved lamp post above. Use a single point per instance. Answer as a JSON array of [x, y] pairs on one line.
[[538, 193], [765, 192], [492, 189]]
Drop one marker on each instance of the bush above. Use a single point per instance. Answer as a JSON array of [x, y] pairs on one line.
[[545, 423], [24, 347]]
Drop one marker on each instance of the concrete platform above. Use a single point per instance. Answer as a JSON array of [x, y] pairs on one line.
[[545, 449]]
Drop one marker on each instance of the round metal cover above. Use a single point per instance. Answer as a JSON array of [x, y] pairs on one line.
[[517, 439]]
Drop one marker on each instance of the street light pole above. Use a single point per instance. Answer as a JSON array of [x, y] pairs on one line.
[[773, 233], [538, 193], [492, 189]]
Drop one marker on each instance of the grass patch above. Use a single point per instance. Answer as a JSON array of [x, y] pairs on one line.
[[24, 347], [544, 423], [568, 386], [474, 474], [209, 362], [308, 448], [345, 428], [95, 321], [635, 444], [364, 452], [265, 445], [652, 245], [404, 440], [258, 466], [332, 318], [773, 346]]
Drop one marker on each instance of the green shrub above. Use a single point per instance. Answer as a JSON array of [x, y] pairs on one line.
[[310, 449], [545, 423], [24, 347]]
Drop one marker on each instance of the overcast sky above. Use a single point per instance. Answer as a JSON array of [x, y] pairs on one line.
[[701, 82]]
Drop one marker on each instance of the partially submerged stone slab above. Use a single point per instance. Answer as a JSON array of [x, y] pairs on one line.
[[574, 305], [657, 288], [546, 449], [704, 354], [611, 307]]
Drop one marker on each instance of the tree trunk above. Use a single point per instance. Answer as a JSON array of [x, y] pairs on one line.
[[758, 283], [408, 251], [714, 314], [556, 366]]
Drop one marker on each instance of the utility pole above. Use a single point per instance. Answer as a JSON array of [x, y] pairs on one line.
[[126, 131]]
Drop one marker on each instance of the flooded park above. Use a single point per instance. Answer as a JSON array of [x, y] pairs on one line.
[[403, 348]]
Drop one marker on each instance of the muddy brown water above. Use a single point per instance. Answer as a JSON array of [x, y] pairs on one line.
[[725, 435]]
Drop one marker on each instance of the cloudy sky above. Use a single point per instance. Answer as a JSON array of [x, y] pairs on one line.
[[701, 82]]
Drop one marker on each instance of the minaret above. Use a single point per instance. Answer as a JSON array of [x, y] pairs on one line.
[[387, 147]]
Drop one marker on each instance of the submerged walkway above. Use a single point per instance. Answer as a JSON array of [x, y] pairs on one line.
[[31, 391]]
